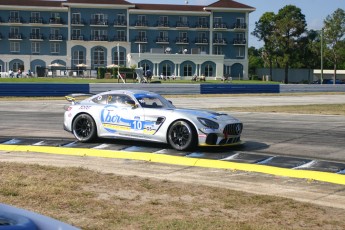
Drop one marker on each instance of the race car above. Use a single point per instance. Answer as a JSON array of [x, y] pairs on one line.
[[148, 116]]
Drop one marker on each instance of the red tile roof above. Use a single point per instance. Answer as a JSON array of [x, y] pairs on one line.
[[115, 2], [30, 3], [228, 4], [168, 7]]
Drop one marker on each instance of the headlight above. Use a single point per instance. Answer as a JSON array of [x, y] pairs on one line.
[[208, 123]]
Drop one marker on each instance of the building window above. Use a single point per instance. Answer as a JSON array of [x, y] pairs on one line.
[[99, 19], [76, 34], [119, 58], [163, 21], [218, 50], [76, 18], [35, 47], [15, 47], [187, 70], [240, 52], [78, 57], [54, 48], [99, 35], [16, 66], [166, 69], [208, 70], [142, 48], [98, 57]]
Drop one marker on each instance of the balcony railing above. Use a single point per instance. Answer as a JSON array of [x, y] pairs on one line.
[[141, 39], [219, 41], [162, 40], [99, 22], [55, 21], [220, 26], [120, 39], [182, 40], [55, 37], [182, 24], [201, 25], [37, 20], [16, 36], [77, 37], [201, 40], [237, 41], [15, 20], [77, 21], [240, 26], [162, 24], [141, 23], [34, 36], [120, 23], [99, 38]]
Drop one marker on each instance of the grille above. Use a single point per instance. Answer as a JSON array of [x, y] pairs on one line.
[[233, 129]]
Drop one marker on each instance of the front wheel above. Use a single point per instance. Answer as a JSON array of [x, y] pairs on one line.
[[84, 128], [181, 135]]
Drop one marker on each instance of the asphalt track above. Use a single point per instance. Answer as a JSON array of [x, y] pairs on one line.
[[289, 141]]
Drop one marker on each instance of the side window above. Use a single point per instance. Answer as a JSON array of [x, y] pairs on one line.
[[119, 100], [102, 99]]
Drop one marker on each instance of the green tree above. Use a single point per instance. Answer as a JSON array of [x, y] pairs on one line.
[[334, 31], [264, 31], [255, 60], [290, 25]]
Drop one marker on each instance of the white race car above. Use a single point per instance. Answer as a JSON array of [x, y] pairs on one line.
[[147, 116]]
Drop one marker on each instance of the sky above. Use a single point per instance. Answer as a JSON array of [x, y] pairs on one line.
[[315, 11]]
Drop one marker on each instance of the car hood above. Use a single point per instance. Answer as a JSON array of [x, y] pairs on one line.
[[206, 114]]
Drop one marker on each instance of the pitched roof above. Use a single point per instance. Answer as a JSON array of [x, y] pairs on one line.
[[168, 7], [31, 3], [110, 2], [229, 4]]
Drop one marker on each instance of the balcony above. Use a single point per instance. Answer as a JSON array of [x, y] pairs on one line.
[[77, 22], [37, 37], [182, 24], [55, 21], [15, 36], [55, 37], [182, 40], [36, 20], [120, 39], [240, 26], [99, 38], [163, 24], [141, 39], [141, 23], [240, 42], [219, 41], [99, 22], [201, 26], [162, 40], [15, 20], [120, 23], [201, 41], [220, 26], [77, 37]]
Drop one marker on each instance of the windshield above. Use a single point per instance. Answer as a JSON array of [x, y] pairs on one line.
[[153, 101]]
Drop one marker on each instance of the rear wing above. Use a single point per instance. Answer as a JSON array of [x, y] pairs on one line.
[[73, 97]]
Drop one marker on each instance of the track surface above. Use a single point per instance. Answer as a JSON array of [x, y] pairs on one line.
[[285, 135]]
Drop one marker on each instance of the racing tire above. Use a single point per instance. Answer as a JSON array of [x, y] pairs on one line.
[[84, 128], [182, 135]]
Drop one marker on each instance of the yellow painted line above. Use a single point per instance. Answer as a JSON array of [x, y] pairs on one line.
[[179, 160]]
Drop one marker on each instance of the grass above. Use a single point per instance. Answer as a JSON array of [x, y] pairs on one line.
[[91, 200], [322, 109]]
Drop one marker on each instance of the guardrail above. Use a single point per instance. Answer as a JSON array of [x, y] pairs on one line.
[[51, 89]]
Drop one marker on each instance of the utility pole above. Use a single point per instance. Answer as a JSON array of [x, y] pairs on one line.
[[321, 78]]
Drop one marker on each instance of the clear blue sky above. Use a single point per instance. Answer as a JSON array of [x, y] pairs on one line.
[[315, 11]]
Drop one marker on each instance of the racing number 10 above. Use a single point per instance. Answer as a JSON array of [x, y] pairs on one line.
[[137, 125]]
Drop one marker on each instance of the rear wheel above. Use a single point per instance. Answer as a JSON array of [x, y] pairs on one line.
[[181, 135], [84, 128]]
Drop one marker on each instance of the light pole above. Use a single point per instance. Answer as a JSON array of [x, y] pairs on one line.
[[321, 77]]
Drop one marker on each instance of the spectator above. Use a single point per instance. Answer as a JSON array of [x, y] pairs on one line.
[[173, 76], [10, 73], [148, 74], [19, 73]]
